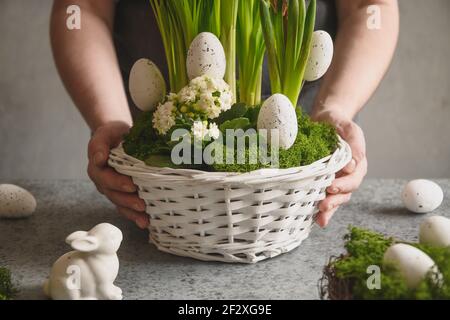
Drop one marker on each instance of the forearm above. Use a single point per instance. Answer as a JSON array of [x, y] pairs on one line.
[[87, 62], [362, 57]]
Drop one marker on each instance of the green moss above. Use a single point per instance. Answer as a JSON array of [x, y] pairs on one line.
[[6, 287], [237, 167], [140, 142], [366, 248], [143, 143], [314, 142], [428, 289]]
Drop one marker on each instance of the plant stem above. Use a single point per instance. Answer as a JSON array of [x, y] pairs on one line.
[[271, 45], [306, 47], [229, 12]]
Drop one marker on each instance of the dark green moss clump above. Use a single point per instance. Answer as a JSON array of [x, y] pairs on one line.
[[6, 287], [248, 166], [314, 142], [348, 273], [142, 141]]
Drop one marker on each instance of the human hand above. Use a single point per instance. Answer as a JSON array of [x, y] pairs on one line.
[[119, 189], [351, 177]]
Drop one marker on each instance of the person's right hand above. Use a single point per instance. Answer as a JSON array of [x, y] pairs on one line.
[[119, 189]]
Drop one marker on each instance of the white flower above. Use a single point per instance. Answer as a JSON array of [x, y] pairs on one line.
[[199, 83], [226, 100], [208, 104], [164, 117], [217, 84], [214, 131], [200, 130], [172, 97], [187, 95], [207, 96]]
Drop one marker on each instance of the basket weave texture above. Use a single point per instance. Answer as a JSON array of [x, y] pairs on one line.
[[230, 217]]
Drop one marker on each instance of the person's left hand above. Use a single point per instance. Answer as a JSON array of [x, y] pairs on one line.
[[351, 177]]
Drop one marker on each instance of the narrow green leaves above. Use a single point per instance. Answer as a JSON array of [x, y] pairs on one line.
[[228, 14], [288, 35], [179, 22], [271, 46], [250, 51], [247, 29]]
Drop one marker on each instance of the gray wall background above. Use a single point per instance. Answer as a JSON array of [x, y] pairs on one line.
[[407, 125]]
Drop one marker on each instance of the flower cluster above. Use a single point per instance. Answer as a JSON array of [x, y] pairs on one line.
[[204, 99], [164, 116], [206, 96]]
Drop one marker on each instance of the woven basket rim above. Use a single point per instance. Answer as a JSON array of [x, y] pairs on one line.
[[137, 168]]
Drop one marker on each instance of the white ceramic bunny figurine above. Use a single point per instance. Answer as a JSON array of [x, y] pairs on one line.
[[89, 272]]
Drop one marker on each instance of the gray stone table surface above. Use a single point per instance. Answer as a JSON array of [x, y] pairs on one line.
[[29, 247]]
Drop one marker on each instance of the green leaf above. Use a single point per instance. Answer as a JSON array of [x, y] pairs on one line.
[[252, 114], [238, 110], [159, 161], [235, 124]]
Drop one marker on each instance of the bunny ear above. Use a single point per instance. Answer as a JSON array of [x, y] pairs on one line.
[[85, 244], [76, 235]]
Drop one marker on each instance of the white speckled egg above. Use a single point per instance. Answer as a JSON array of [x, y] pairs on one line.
[[278, 113], [422, 196], [16, 202], [321, 56], [412, 263], [206, 56], [435, 231], [147, 85]]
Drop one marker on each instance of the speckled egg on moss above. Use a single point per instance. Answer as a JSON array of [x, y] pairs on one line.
[[412, 263], [16, 202], [278, 113], [206, 56]]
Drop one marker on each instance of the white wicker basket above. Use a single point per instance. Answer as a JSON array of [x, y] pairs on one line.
[[231, 217]]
